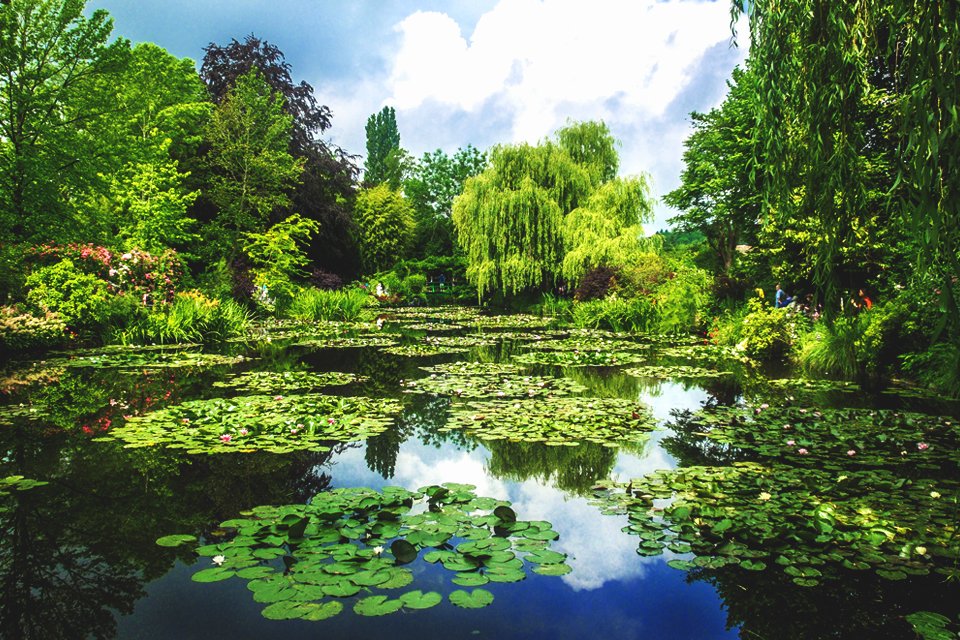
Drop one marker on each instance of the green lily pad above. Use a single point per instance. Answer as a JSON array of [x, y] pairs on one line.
[[377, 606], [176, 540], [476, 599]]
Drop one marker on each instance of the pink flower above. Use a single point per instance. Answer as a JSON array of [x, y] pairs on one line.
[[330, 421], [790, 443], [244, 431], [226, 437], [278, 397], [802, 451], [922, 446], [852, 452], [765, 406]]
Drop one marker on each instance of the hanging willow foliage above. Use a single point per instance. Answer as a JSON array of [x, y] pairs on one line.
[[509, 218], [607, 229], [814, 59]]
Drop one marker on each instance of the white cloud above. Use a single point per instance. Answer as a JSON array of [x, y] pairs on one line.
[[639, 66]]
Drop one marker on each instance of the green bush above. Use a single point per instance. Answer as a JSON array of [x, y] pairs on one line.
[[311, 304], [682, 299], [766, 332], [21, 331], [634, 315], [80, 299], [191, 318]]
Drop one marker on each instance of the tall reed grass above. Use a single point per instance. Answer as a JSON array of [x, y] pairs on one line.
[[311, 305]]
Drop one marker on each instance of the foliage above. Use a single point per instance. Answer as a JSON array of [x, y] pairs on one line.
[[434, 182], [150, 278], [632, 315], [766, 332], [485, 381], [509, 219], [278, 424], [311, 304], [78, 298], [325, 280], [349, 541], [277, 258], [564, 422], [273, 382], [596, 284], [21, 331], [325, 191], [251, 167], [681, 300], [52, 57], [383, 145], [606, 230], [384, 225], [719, 190], [191, 318]]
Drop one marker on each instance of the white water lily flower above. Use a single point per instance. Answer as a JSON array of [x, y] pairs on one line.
[[219, 560], [378, 550]]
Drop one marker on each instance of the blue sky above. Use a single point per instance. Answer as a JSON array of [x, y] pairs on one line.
[[481, 72]]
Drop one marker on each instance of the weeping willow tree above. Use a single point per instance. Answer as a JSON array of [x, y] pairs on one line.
[[818, 62], [607, 230], [510, 218]]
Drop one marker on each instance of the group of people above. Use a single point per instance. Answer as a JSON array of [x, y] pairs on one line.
[[860, 301]]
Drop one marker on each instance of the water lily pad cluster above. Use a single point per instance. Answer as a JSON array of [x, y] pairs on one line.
[[355, 547], [515, 321], [143, 358], [474, 340], [451, 313], [433, 326], [555, 421], [488, 380], [669, 372], [364, 340], [422, 350], [836, 439], [823, 494], [577, 358], [588, 342], [712, 354], [274, 382], [277, 424]]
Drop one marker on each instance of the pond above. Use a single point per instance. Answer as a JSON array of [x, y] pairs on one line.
[[443, 473]]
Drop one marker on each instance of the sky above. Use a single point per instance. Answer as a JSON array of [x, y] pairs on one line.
[[481, 72]]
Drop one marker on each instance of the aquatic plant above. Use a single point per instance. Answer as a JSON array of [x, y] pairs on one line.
[[349, 542]]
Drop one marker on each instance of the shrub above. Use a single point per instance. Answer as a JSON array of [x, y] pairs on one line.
[[192, 317], [682, 299], [556, 307], [325, 280], [634, 315], [21, 331], [765, 333], [312, 305], [80, 299], [595, 284], [937, 367]]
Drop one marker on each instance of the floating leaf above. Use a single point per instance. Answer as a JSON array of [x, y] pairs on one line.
[[476, 599]]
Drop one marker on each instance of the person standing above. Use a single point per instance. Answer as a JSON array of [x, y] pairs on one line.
[[782, 299]]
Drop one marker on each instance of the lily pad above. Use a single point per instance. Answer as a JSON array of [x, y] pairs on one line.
[[476, 599]]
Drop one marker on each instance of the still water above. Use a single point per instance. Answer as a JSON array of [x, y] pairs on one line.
[[79, 559]]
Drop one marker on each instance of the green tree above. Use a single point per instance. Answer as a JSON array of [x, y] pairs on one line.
[[384, 226], [51, 55], [607, 230], [277, 256], [384, 162], [432, 186], [510, 218], [818, 66], [252, 169], [719, 192]]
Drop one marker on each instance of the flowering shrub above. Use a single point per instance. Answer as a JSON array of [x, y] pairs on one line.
[[20, 331], [152, 279]]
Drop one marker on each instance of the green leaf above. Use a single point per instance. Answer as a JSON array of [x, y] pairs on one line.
[[420, 600], [376, 606], [476, 599], [175, 540]]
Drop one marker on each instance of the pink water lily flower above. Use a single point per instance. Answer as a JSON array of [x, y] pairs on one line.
[[790, 443], [278, 397], [922, 446], [244, 431], [226, 437], [852, 452], [802, 451]]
